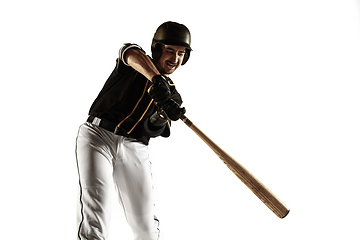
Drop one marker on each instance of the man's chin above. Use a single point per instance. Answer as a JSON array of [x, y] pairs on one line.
[[167, 72]]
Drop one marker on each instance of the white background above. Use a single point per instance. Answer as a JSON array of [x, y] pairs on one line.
[[274, 83]]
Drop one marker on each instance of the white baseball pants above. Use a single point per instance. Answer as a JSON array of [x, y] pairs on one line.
[[104, 158]]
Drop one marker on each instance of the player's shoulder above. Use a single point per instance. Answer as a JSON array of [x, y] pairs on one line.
[[127, 46]]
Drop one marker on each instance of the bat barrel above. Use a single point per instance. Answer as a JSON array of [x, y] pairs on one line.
[[259, 189]]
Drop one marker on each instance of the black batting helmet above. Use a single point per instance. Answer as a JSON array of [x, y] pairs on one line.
[[171, 33]]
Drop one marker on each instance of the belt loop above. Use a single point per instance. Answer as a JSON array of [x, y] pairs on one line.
[[96, 121]]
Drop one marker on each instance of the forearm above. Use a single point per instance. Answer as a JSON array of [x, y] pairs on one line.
[[141, 63]]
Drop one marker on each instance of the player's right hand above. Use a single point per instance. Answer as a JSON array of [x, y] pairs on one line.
[[173, 109], [160, 89]]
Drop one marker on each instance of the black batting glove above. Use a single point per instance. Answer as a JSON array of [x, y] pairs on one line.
[[160, 90], [173, 109]]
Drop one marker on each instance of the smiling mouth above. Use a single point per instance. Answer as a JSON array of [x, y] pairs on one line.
[[171, 65]]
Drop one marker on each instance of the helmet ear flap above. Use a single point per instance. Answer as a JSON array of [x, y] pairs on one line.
[[186, 57], [156, 51]]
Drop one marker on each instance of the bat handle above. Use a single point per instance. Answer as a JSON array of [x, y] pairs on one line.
[[186, 120]]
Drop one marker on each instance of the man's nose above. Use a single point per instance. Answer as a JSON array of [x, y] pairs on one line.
[[174, 58]]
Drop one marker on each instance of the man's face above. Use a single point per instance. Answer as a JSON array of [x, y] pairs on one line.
[[171, 58]]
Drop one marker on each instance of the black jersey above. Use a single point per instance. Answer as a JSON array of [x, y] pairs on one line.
[[124, 100]]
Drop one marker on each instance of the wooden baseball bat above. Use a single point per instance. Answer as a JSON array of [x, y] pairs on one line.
[[264, 194]]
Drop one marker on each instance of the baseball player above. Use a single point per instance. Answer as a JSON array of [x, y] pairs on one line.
[[137, 103]]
